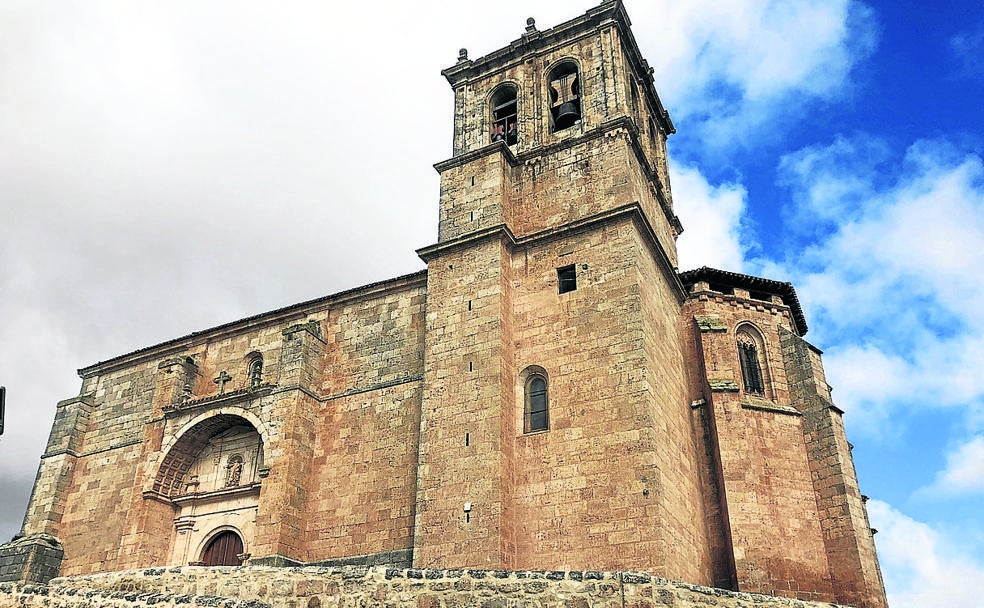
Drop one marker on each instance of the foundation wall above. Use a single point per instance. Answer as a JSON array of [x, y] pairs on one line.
[[361, 586]]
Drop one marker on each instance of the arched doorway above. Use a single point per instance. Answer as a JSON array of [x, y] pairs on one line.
[[223, 550], [212, 475]]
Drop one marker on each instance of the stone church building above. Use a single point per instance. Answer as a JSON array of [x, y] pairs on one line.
[[550, 393]]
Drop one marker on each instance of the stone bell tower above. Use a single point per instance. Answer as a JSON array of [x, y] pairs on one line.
[[555, 414]]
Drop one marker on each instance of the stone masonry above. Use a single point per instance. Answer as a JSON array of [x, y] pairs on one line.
[[551, 393], [345, 587]]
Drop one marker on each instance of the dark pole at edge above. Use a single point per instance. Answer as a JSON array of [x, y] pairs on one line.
[[3, 401]]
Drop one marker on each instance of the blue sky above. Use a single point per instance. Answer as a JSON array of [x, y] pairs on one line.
[[860, 179], [167, 168]]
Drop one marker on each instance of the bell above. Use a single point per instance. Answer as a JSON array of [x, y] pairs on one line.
[[567, 114]]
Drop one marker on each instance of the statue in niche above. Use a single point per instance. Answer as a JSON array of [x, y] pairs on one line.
[[234, 471], [255, 372]]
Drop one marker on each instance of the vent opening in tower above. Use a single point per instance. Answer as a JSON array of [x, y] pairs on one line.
[[566, 279]]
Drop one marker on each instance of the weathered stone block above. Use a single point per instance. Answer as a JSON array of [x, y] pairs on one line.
[[30, 559]]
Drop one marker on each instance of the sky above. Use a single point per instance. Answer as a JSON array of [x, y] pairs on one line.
[[168, 167]]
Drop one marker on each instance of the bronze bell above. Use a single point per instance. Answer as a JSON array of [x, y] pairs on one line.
[[567, 114]]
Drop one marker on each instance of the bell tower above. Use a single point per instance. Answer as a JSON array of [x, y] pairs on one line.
[[542, 114], [555, 414]]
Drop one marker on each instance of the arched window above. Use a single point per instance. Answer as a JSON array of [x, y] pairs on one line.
[[537, 416], [751, 359], [254, 371], [223, 550], [505, 125], [565, 96]]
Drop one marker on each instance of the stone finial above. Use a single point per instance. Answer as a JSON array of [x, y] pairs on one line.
[[530, 25], [463, 55]]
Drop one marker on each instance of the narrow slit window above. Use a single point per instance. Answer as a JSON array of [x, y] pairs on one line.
[[566, 279]]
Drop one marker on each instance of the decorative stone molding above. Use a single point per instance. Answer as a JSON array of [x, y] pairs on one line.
[[225, 399], [710, 323], [764, 405], [723, 386], [311, 327]]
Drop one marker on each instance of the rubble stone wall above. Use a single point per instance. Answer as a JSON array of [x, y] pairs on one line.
[[341, 587]]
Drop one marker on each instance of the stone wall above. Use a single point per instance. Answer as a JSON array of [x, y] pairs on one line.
[[765, 469], [343, 587], [32, 559]]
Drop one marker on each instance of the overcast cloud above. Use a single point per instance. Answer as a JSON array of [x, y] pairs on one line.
[[166, 167]]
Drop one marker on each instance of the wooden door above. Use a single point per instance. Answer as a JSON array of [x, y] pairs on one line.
[[223, 550]]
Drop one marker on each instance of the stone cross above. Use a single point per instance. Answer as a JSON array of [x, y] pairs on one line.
[[221, 380]]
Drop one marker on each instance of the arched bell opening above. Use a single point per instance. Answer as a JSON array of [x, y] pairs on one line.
[[505, 115], [565, 96]]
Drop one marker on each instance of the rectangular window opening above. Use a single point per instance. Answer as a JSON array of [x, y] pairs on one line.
[[566, 279], [467, 440]]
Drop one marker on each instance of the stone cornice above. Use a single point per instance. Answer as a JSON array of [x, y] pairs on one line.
[[631, 211], [73, 453], [536, 42], [765, 405], [296, 313], [744, 281], [246, 490], [623, 122], [224, 399]]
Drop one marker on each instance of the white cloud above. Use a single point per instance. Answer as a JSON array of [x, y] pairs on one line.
[[890, 285], [827, 193], [922, 567], [967, 48], [730, 67], [868, 378], [711, 217], [964, 472]]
